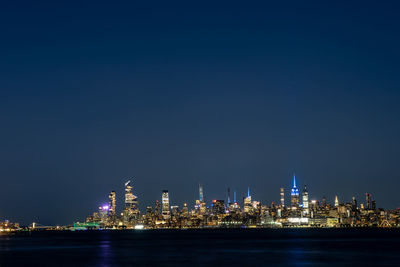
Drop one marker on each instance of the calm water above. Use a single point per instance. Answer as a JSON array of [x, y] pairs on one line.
[[237, 247]]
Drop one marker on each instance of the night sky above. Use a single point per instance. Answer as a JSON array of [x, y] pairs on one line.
[[171, 94]]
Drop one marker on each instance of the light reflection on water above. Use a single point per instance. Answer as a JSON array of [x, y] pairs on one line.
[[105, 254], [218, 247]]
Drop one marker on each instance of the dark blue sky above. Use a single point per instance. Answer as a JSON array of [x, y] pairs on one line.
[[172, 94]]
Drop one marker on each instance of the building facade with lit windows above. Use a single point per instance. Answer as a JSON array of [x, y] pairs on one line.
[[294, 194], [165, 204], [131, 212]]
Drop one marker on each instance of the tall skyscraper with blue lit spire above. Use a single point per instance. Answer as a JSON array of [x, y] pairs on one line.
[[247, 207], [295, 195]]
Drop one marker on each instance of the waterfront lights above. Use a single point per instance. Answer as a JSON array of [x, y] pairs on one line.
[[139, 227]]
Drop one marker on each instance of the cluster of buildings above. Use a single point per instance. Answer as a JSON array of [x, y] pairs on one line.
[[250, 213], [7, 226]]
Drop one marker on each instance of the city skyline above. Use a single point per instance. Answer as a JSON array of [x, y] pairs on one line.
[[120, 196], [239, 194], [301, 211], [233, 95], [221, 133], [290, 194]]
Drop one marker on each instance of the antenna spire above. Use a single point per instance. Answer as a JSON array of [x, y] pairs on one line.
[[294, 180]]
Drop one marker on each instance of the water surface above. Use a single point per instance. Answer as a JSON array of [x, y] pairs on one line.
[[228, 247]]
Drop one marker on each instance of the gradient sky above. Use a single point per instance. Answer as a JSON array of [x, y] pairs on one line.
[[171, 94]]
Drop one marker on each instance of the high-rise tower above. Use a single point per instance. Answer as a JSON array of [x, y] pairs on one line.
[[323, 202], [157, 208], [282, 197], [131, 202], [294, 193], [247, 207], [305, 201], [336, 202], [165, 204], [368, 201], [200, 204], [354, 203], [112, 203], [201, 196]]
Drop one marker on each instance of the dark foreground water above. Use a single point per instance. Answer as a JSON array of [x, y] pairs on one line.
[[237, 247]]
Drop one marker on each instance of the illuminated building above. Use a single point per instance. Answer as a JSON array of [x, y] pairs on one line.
[[131, 203], [197, 205], [7, 226], [201, 196], [282, 197], [305, 201], [175, 210], [112, 203], [368, 201], [185, 210], [255, 204], [294, 193], [229, 196], [218, 207], [157, 208], [201, 204], [247, 207], [203, 208], [235, 205], [323, 203], [149, 210], [103, 213], [279, 213], [336, 201], [298, 221], [354, 203], [165, 204]]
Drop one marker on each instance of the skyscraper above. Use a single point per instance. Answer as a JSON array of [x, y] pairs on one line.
[[229, 196], [336, 201], [323, 202], [112, 203], [354, 203], [305, 201], [294, 194], [282, 197], [218, 207], [165, 204], [201, 196], [247, 207], [234, 207], [131, 203], [368, 201], [200, 204], [185, 210], [157, 208]]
